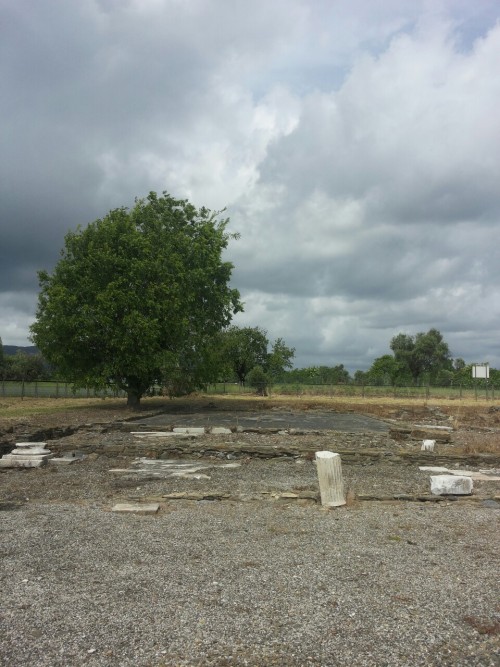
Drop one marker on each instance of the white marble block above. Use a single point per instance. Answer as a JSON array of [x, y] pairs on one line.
[[27, 455], [444, 485], [331, 483], [428, 445]]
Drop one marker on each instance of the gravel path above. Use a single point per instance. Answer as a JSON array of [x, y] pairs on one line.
[[243, 583]]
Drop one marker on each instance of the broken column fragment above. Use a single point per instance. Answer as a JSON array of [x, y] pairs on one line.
[[27, 455], [331, 483]]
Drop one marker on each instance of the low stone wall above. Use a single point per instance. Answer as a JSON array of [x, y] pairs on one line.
[[191, 446]]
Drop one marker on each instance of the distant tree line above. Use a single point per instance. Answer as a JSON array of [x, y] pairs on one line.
[[23, 367], [244, 355], [422, 359]]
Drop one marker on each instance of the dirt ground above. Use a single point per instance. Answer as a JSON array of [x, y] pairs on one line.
[[247, 580], [476, 425], [476, 428]]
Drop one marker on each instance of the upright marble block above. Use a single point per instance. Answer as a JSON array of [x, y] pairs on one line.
[[428, 445], [331, 483], [451, 485]]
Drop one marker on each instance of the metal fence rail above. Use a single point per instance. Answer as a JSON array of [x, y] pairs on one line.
[[365, 391], [51, 389]]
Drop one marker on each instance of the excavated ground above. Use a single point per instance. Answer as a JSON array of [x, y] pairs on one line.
[[241, 566]]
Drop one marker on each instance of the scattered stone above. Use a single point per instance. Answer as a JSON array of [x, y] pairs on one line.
[[68, 458], [190, 475], [189, 430], [136, 508], [153, 434], [442, 485], [492, 504]]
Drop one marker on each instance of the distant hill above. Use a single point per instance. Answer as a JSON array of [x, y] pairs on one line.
[[12, 349]]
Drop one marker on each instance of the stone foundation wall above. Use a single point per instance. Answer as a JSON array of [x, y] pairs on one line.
[[195, 447]]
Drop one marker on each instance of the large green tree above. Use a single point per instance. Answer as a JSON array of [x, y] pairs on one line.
[[137, 296], [424, 353]]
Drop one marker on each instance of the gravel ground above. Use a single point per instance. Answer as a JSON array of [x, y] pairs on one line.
[[243, 583]]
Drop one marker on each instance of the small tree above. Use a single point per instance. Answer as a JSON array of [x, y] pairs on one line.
[[137, 296], [243, 348], [279, 359], [259, 380]]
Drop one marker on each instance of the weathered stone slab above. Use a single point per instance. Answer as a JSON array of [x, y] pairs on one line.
[[65, 460], [437, 470], [9, 461], [220, 430], [442, 485], [481, 476], [153, 434], [136, 508], [189, 430]]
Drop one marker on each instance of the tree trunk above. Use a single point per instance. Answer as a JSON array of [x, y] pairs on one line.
[[133, 400]]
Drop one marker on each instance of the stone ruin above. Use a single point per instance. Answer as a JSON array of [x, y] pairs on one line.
[[27, 455]]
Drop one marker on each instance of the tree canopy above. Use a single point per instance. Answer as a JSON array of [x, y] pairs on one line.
[[137, 296], [424, 356], [423, 353]]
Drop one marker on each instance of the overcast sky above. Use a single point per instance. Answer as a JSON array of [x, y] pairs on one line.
[[355, 144]]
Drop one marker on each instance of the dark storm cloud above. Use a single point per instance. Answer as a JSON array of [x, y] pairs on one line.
[[355, 147]]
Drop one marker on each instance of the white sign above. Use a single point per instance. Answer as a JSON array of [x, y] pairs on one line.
[[481, 371]]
